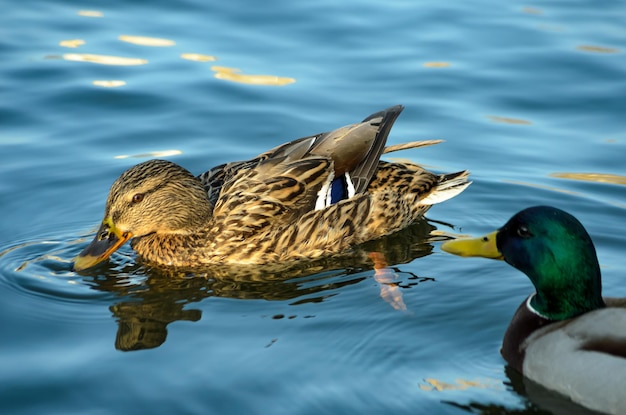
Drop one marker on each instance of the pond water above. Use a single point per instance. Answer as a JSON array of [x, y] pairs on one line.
[[530, 97]]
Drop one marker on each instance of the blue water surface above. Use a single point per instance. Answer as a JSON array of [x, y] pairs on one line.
[[525, 95]]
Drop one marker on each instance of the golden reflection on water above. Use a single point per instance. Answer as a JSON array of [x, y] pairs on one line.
[[591, 177], [436, 64], [147, 41], [597, 49], [109, 83], [71, 43], [90, 13], [235, 75], [198, 57], [103, 59], [164, 153], [460, 384], [532, 10], [507, 120]]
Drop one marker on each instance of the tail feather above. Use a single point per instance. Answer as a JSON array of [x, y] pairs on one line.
[[449, 186], [412, 144], [362, 174]]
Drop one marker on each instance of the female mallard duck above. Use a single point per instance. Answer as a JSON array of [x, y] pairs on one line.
[[565, 336], [311, 197]]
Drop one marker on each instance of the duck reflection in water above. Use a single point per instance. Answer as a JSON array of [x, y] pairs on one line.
[[154, 297]]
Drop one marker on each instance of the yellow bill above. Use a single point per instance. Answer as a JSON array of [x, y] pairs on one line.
[[107, 240], [484, 246]]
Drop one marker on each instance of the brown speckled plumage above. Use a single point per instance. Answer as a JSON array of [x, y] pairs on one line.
[[264, 210]]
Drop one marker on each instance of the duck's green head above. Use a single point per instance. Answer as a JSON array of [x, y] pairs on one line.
[[554, 250]]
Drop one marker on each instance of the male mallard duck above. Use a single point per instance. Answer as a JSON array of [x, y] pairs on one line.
[[309, 198], [565, 336]]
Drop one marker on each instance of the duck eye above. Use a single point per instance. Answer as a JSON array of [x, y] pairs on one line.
[[523, 232], [138, 197]]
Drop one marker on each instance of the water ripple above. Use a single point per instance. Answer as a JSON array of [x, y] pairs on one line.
[[44, 268]]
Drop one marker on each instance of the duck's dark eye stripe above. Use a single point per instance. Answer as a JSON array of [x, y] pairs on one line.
[[138, 197]]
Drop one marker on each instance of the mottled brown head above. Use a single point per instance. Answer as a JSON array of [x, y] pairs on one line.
[[156, 196]]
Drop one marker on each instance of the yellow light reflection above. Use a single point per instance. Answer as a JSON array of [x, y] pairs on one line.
[[592, 177], [386, 277], [507, 120], [103, 59], [532, 10], [164, 153], [235, 75], [71, 43], [597, 49], [147, 41], [90, 13], [198, 57], [109, 84], [437, 64], [460, 384]]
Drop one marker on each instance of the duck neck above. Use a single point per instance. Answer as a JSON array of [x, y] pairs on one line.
[[584, 292], [191, 213], [524, 323]]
